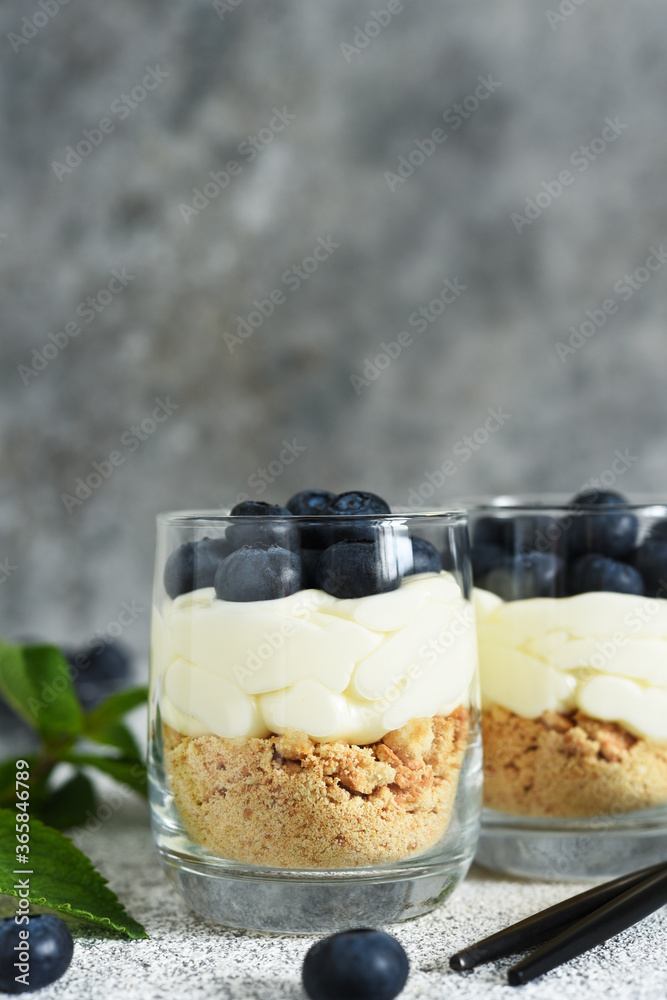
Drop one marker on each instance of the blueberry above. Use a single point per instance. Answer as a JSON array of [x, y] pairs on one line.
[[357, 569], [194, 564], [98, 670], [49, 949], [355, 965], [309, 502], [253, 532], [485, 556], [613, 534], [425, 558], [597, 572], [255, 573], [531, 574], [354, 504], [650, 559]]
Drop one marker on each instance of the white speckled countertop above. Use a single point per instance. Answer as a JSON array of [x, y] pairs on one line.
[[188, 957]]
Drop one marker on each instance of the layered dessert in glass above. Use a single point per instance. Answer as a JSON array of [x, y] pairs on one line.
[[572, 629], [314, 683]]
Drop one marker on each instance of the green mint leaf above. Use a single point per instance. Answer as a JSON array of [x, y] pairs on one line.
[[62, 878], [127, 771], [117, 735], [71, 804], [36, 682], [114, 708]]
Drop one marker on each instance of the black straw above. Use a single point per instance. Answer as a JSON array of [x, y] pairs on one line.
[[604, 923], [541, 926]]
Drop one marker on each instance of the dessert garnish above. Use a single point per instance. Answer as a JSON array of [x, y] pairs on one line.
[[360, 964]]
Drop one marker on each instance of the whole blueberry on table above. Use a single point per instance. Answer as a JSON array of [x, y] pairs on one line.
[[425, 558], [257, 573], [355, 965], [531, 574], [357, 569], [48, 949], [650, 559], [194, 564], [309, 502], [261, 532], [596, 572], [612, 534]]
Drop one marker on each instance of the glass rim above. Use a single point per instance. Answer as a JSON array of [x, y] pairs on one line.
[[547, 503], [456, 514]]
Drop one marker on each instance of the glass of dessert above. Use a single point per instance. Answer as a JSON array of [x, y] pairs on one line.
[[571, 609], [314, 758]]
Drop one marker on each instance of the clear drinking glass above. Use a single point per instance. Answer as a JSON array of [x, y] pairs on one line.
[[571, 608], [314, 757]]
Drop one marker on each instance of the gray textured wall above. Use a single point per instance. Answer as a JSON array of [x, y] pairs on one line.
[[554, 79]]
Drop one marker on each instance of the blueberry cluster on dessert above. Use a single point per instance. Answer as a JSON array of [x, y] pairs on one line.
[[573, 657], [597, 545], [269, 552]]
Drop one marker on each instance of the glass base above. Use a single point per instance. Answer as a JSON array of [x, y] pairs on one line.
[[572, 849], [298, 902]]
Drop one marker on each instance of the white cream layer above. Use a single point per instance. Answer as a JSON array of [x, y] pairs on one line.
[[348, 670], [603, 653]]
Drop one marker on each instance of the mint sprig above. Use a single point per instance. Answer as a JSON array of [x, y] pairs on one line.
[[36, 682], [62, 878]]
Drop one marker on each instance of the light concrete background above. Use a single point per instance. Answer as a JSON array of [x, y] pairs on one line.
[[218, 76]]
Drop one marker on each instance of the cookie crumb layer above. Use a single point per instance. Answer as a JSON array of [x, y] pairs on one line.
[[568, 765], [289, 802]]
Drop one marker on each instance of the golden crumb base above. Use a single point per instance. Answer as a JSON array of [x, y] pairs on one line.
[[568, 765], [289, 802]]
